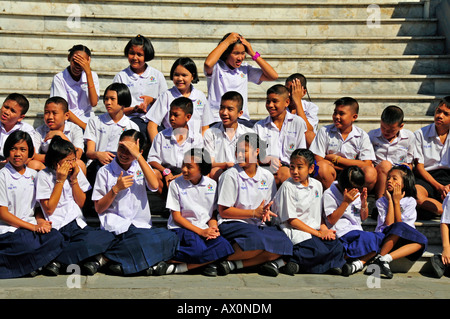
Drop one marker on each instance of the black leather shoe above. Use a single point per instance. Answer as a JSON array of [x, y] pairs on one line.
[[210, 270], [90, 268], [290, 268], [437, 265], [269, 269], [115, 269], [52, 269]]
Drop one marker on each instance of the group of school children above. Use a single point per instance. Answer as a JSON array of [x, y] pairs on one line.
[[278, 195]]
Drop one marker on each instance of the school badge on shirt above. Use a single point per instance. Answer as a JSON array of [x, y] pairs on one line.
[[210, 189], [152, 79], [263, 184]]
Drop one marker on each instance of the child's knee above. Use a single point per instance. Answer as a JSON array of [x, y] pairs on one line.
[[383, 167]]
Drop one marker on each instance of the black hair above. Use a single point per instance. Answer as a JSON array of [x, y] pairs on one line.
[[14, 138], [123, 93], [351, 177], [234, 96], [183, 103], [58, 100], [348, 101], [189, 65], [279, 89], [19, 99], [409, 181], [136, 135], [230, 48], [201, 153], [79, 47], [255, 142], [303, 81], [145, 43], [305, 153], [392, 114], [445, 101], [58, 149]]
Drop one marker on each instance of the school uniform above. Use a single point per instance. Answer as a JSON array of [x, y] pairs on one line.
[[72, 131], [80, 240], [356, 146], [76, 93], [400, 150], [282, 143], [159, 112], [218, 144], [405, 229], [224, 79], [23, 251], [434, 155], [150, 83], [312, 254], [311, 111], [197, 204], [166, 151], [137, 245], [19, 126], [237, 189], [356, 241], [445, 217]]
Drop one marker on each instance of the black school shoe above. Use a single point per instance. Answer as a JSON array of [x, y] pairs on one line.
[[290, 268], [52, 269], [385, 270], [90, 268], [437, 266], [210, 270], [269, 269]]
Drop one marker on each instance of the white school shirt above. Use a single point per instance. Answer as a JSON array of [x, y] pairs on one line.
[[311, 111], [106, 133], [237, 189], [67, 209], [22, 126], [166, 151], [407, 207], [445, 218], [219, 145], [357, 145], [196, 203], [130, 206], [400, 150], [73, 132], [293, 200], [224, 79], [76, 93], [429, 150], [159, 112], [150, 83], [350, 220], [282, 143], [17, 193]]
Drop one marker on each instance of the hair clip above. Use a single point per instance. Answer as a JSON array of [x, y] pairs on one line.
[[402, 165]]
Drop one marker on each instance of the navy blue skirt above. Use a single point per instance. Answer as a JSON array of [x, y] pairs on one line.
[[140, 248], [252, 237], [82, 243], [407, 235], [195, 249], [358, 243], [23, 251], [317, 256]]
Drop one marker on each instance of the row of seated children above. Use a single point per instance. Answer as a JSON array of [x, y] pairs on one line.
[[56, 235]]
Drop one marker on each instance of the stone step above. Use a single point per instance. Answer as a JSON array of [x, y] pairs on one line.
[[180, 45], [223, 9], [102, 62], [248, 27]]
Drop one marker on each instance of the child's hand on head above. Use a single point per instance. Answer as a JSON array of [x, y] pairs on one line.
[[132, 147], [75, 171], [247, 45], [397, 194], [84, 62], [62, 171]]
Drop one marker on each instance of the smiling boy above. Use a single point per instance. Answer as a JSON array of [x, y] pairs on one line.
[[343, 144]]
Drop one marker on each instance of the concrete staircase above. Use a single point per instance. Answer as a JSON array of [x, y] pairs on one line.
[[338, 45]]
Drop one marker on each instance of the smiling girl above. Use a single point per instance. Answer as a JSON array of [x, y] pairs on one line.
[[226, 70]]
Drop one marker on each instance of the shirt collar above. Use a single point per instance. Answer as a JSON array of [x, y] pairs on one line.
[[244, 175], [15, 174], [116, 169], [134, 76], [109, 121]]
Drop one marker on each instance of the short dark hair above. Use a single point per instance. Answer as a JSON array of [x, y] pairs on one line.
[[183, 103], [145, 43], [297, 76], [255, 142], [201, 153], [234, 96], [58, 149], [445, 101], [19, 99], [230, 48], [278, 89], [79, 47], [189, 65], [348, 101], [305, 153], [409, 181], [16, 137], [392, 114], [351, 177], [58, 100], [123, 93]]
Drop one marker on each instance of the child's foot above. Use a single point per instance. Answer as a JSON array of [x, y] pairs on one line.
[[210, 270], [269, 269], [437, 265], [290, 268], [385, 270], [351, 268]]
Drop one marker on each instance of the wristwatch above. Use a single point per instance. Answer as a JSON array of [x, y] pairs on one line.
[[166, 172]]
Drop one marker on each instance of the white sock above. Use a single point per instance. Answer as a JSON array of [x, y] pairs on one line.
[[278, 262], [386, 258], [101, 260], [180, 268], [357, 265]]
